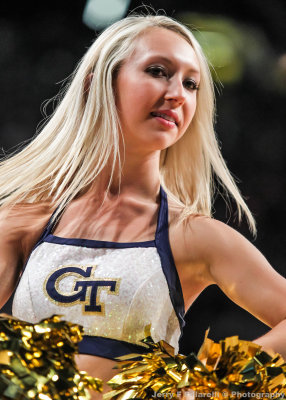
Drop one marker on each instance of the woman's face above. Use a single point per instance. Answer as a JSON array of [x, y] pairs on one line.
[[156, 90]]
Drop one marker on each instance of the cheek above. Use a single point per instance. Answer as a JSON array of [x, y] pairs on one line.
[[135, 102], [131, 96], [141, 94], [190, 111]]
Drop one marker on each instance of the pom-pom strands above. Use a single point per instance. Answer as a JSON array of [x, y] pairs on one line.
[[37, 361], [230, 369]]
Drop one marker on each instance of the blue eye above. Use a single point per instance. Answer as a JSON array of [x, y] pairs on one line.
[[190, 84], [156, 71]]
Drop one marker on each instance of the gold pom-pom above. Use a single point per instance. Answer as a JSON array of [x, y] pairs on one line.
[[37, 361], [230, 369]]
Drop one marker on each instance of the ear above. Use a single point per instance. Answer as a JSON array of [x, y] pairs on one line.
[[87, 84]]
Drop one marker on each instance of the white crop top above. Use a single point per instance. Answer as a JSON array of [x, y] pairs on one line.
[[113, 289]]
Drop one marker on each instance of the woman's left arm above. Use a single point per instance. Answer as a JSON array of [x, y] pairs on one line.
[[247, 278]]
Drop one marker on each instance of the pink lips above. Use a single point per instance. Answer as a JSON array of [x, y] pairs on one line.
[[167, 124], [173, 116]]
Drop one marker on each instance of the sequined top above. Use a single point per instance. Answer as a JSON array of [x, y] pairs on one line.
[[113, 289]]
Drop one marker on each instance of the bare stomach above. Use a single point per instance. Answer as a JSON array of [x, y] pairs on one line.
[[102, 368], [97, 367]]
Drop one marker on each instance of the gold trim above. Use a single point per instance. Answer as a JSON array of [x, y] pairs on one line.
[[88, 291]]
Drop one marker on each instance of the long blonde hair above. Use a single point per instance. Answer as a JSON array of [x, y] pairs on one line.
[[82, 135]]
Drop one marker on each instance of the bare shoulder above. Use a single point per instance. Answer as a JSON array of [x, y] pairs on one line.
[[232, 262], [216, 240], [226, 253], [212, 232], [23, 224], [205, 239]]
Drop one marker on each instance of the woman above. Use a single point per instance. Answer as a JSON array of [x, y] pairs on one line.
[[125, 165]]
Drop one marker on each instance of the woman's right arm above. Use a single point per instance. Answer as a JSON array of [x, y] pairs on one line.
[[20, 228], [11, 255]]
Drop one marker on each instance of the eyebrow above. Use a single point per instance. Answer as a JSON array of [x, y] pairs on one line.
[[167, 60]]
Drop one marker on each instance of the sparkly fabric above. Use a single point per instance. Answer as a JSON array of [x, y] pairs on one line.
[[140, 296], [112, 289]]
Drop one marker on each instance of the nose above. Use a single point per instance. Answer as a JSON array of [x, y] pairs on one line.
[[175, 91]]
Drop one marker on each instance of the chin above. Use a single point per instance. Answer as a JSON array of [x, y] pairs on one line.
[[164, 140]]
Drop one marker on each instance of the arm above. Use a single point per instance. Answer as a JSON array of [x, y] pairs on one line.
[[20, 229], [245, 276], [10, 257]]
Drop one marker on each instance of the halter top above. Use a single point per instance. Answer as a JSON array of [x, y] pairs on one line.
[[112, 289]]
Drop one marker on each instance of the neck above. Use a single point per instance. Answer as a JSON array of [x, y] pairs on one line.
[[139, 177]]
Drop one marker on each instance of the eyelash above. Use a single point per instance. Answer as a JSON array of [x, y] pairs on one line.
[[159, 72]]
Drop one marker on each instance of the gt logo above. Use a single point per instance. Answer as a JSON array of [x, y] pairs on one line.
[[81, 288]]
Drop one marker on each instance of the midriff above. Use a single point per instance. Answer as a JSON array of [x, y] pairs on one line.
[[97, 367]]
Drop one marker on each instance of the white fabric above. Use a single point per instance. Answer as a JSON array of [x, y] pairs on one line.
[[141, 296]]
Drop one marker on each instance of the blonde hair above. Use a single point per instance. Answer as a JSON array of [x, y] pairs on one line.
[[82, 135]]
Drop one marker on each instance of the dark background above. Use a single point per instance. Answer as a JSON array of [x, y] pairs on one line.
[[41, 43]]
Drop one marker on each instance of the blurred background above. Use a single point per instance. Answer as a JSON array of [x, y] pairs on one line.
[[245, 41]]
